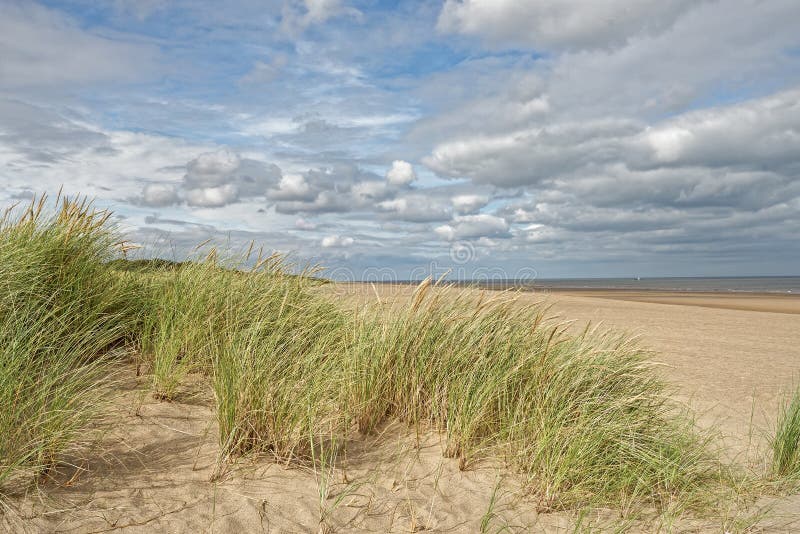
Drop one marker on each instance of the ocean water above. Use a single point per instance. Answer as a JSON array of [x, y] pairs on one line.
[[749, 284]]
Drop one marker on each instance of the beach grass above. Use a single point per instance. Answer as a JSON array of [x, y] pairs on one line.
[[61, 310], [786, 443], [296, 373], [583, 417]]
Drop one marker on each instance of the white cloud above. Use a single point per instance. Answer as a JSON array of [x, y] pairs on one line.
[[303, 224], [600, 82], [473, 226], [212, 197], [318, 11], [159, 195], [336, 241], [570, 24], [211, 168], [292, 187], [724, 147], [401, 173], [761, 133], [271, 126], [469, 203]]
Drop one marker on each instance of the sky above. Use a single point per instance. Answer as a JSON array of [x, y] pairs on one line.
[[490, 138]]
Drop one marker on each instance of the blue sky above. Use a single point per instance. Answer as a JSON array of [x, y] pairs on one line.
[[549, 138]]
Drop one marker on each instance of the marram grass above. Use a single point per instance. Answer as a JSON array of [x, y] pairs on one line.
[[584, 417], [61, 309], [786, 443]]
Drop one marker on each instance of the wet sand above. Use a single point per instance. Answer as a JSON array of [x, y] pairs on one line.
[[766, 302]]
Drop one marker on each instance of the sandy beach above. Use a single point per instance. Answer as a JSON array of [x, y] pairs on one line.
[[154, 470], [763, 302]]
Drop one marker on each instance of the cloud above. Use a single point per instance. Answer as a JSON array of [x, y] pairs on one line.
[[401, 173], [211, 169], [559, 24], [212, 197], [41, 47], [741, 155], [416, 208], [469, 203], [43, 134], [336, 241], [158, 195], [472, 227], [339, 188], [264, 72], [292, 187], [758, 134], [599, 82], [216, 179], [528, 156], [302, 224], [298, 15], [43, 148]]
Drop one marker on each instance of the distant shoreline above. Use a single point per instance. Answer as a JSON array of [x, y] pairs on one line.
[[560, 287], [730, 300]]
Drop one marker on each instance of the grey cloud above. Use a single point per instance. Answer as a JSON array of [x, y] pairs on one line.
[[214, 179], [44, 135], [742, 155], [617, 185], [324, 202], [469, 203], [42, 47], [759, 134], [473, 226], [338, 188], [559, 24], [211, 169], [416, 207], [681, 67], [159, 195], [529, 156]]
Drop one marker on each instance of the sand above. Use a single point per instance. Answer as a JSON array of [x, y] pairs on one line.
[[155, 468], [765, 302]]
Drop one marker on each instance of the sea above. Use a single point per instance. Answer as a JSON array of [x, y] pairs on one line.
[[741, 284]]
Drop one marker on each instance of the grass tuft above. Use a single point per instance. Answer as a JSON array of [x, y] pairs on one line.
[[786, 444], [61, 309]]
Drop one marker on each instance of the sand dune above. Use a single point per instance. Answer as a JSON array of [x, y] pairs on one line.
[[155, 468]]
